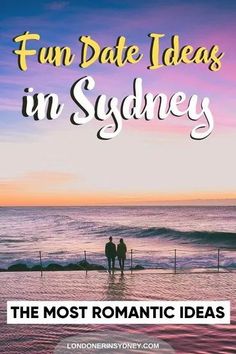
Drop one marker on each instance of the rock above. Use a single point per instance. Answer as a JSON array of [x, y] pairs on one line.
[[19, 267], [73, 266], [82, 265], [138, 267], [54, 267], [36, 268]]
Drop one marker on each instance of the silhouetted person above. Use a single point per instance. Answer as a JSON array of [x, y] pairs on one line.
[[110, 252], [121, 253]]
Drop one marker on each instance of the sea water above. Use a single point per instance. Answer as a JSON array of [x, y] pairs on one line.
[[153, 234]]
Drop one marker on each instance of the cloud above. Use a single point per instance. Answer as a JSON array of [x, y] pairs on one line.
[[50, 177], [57, 5], [37, 180]]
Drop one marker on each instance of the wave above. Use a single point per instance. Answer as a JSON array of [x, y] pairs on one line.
[[11, 240], [217, 238], [220, 238]]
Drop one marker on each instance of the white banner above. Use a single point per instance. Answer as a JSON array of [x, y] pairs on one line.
[[118, 312]]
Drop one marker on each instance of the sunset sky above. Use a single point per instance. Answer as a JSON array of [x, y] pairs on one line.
[[53, 162]]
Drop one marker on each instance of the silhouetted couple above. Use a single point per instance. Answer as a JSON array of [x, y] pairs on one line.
[[111, 252]]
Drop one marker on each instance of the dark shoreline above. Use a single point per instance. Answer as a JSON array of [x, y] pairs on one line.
[[82, 265]]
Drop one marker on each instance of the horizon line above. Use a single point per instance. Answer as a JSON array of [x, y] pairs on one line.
[[119, 205]]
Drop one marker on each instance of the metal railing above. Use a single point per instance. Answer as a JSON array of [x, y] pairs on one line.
[[174, 260]]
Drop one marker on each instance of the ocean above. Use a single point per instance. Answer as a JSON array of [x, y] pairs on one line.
[[153, 233]]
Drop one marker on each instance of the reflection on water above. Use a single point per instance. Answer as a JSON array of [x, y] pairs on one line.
[[116, 287], [185, 339]]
